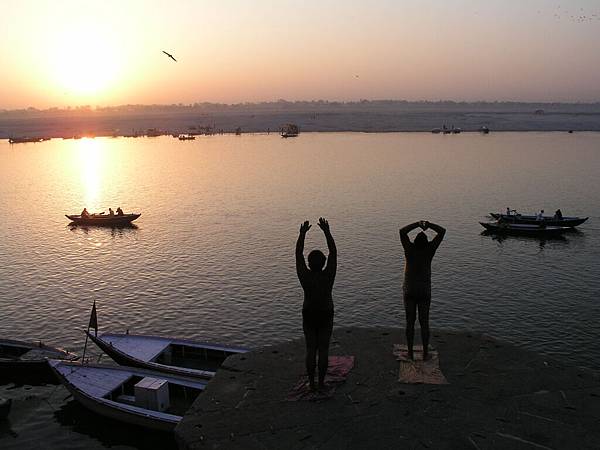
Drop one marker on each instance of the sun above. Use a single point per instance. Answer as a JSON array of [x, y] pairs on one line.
[[84, 61]]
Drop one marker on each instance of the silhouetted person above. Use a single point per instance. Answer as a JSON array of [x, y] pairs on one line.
[[111, 212], [417, 280], [317, 310], [558, 214], [85, 214], [119, 211]]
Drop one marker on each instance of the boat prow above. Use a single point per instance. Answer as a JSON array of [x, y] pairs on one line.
[[175, 356]]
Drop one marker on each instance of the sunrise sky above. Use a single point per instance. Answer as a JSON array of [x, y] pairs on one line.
[[58, 53]]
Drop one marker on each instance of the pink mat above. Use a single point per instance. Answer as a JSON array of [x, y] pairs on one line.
[[337, 372], [418, 371]]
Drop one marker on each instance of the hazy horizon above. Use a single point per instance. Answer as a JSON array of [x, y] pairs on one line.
[[109, 53]]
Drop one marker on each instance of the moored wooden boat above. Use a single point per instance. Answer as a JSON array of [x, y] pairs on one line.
[[103, 219], [522, 229], [533, 220], [135, 396], [21, 360], [163, 354]]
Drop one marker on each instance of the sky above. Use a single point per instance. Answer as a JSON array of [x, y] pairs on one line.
[[62, 52]]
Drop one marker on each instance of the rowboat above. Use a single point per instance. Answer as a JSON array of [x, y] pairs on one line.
[[29, 360], [135, 396], [522, 229], [163, 354], [533, 220], [103, 219]]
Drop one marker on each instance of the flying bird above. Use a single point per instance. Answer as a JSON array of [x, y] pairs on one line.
[[169, 55]]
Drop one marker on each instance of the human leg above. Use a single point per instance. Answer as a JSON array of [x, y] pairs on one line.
[[423, 306], [310, 337], [410, 309], [323, 337]]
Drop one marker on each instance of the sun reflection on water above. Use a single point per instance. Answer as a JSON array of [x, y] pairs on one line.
[[91, 168]]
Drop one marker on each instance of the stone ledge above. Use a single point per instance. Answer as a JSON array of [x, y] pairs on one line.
[[499, 397]]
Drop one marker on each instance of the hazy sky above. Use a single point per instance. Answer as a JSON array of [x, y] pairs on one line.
[[57, 53]]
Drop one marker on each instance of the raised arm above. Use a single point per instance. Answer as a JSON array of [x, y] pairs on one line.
[[300, 262], [332, 258], [441, 231], [404, 233]]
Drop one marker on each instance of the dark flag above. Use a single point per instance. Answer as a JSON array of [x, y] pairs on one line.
[[94, 320]]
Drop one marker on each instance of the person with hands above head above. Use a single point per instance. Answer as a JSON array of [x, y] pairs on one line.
[[317, 311], [417, 279]]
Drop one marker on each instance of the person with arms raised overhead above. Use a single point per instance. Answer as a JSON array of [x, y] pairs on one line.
[[417, 279], [317, 311]]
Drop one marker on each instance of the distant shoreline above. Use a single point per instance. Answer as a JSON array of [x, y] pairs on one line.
[[369, 117]]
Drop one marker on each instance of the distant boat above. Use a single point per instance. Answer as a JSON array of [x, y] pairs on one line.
[[134, 396], [238, 131], [103, 219], [523, 229], [533, 220], [289, 130], [169, 355], [22, 140], [186, 137], [484, 130], [19, 359], [436, 130]]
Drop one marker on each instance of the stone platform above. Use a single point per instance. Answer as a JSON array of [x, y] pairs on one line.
[[498, 397]]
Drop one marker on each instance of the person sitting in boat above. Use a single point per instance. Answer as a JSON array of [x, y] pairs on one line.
[[111, 212], [119, 211], [507, 211], [558, 214], [85, 214], [540, 215]]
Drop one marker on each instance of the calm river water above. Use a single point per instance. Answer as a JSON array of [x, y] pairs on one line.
[[212, 255]]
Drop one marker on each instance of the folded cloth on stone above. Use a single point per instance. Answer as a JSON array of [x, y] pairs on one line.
[[418, 371], [337, 371]]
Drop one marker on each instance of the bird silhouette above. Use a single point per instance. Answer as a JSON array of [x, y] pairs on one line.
[[169, 55]]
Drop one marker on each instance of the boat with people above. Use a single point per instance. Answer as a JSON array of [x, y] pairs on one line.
[[556, 220], [521, 229], [289, 130], [186, 137], [135, 396], [175, 356], [103, 219], [21, 359]]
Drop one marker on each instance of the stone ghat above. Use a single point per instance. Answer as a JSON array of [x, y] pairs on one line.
[[498, 397]]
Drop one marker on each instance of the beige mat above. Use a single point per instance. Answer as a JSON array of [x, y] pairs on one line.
[[418, 371]]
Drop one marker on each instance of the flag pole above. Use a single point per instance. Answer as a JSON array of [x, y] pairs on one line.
[[94, 319]]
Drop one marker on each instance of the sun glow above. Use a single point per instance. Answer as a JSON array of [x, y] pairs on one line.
[[84, 61]]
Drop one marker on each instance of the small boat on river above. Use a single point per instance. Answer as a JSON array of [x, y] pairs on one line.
[[534, 220], [522, 229], [289, 130], [182, 357], [135, 396], [29, 360], [103, 219]]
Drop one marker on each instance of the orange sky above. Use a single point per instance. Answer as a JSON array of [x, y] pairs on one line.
[[58, 53]]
